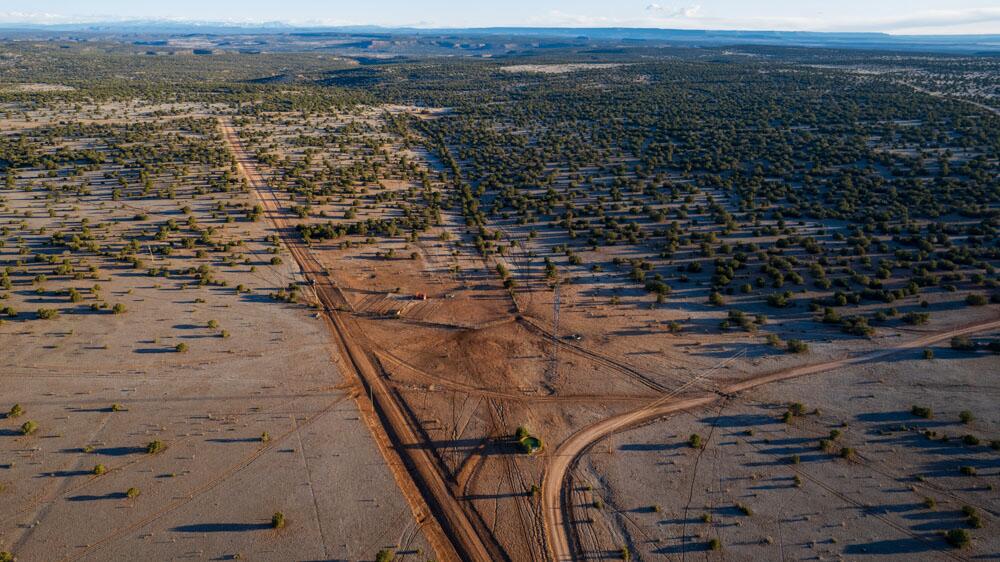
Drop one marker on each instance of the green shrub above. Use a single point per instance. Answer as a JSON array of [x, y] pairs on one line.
[[385, 555], [928, 354], [118, 308], [99, 469], [958, 538], [962, 343], [155, 447], [966, 417], [181, 347], [695, 441], [976, 300], [29, 427], [278, 520], [16, 411], [922, 412], [714, 544], [797, 346], [7, 557], [132, 493], [967, 470], [47, 313]]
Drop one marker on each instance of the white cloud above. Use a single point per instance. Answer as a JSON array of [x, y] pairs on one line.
[[669, 12]]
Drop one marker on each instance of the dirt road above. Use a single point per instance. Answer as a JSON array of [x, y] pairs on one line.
[[445, 523], [554, 492]]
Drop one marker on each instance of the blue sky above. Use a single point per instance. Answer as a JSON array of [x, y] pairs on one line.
[[893, 16]]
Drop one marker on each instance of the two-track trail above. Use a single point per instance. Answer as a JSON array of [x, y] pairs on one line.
[[427, 490]]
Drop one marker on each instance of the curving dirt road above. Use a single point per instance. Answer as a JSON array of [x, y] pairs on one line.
[[554, 491]]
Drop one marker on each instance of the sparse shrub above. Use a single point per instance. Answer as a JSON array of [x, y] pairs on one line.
[[265, 437], [966, 417], [276, 260], [626, 554], [797, 346], [385, 555], [928, 354], [930, 503], [181, 347], [714, 544], [976, 300], [213, 324], [278, 520], [99, 469], [47, 313], [132, 493], [962, 343], [958, 538], [971, 440], [715, 299], [29, 427], [847, 453], [706, 517], [695, 441], [155, 447], [16, 411], [744, 509], [7, 557], [922, 412], [117, 407], [118, 308], [967, 470]]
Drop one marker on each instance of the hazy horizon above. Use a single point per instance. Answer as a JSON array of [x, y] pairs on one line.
[[896, 17]]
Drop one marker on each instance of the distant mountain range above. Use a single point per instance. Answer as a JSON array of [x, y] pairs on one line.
[[965, 44]]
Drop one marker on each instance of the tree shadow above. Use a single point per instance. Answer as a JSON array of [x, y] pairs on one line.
[[111, 496], [221, 528], [119, 451], [892, 546]]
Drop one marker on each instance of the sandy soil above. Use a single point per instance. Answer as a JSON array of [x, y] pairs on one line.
[[211, 493], [804, 502]]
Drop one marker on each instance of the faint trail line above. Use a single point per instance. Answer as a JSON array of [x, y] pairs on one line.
[[553, 483]]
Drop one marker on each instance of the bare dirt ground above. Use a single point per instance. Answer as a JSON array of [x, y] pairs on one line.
[[102, 386], [766, 490], [468, 364]]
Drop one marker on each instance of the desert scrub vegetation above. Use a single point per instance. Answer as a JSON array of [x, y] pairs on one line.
[[278, 520], [385, 555], [958, 538], [132, 493], [154, 447], [29, 427], [15, 411]]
